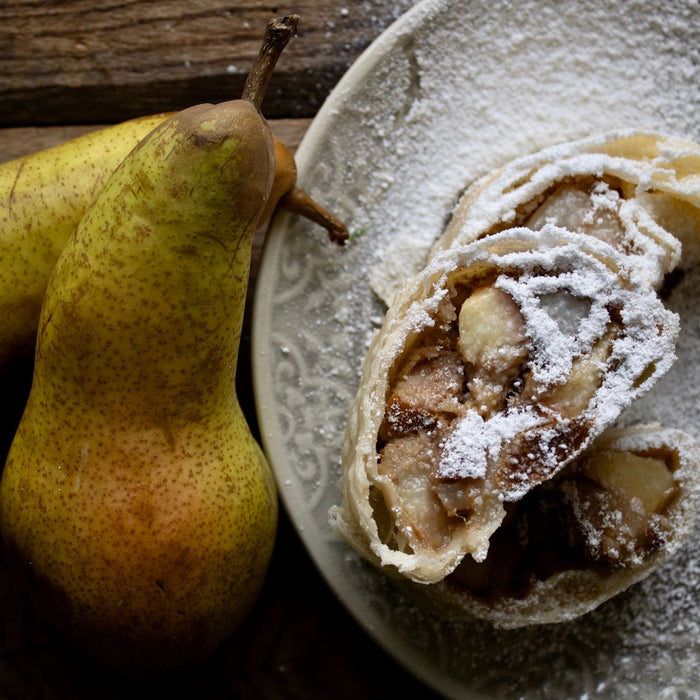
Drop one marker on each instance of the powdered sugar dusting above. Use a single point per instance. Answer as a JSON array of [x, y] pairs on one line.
[[652, 250], [554, 349], [476, 442], [567, 287]]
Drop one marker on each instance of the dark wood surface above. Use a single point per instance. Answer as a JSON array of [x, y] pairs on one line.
[[66, 67], [86, 62]]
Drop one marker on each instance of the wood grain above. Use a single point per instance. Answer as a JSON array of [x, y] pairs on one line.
[[85, 62]]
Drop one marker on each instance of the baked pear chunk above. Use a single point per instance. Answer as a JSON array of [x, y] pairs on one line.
[[496, 367]]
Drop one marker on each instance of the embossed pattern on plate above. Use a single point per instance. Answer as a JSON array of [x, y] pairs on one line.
[[449, 92]]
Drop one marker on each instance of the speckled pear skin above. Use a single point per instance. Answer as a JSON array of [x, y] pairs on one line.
[[135, 502], [42, 199]]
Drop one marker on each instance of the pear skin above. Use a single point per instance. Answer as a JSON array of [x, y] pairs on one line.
[[42, 198], [135, 503], [285, 178]]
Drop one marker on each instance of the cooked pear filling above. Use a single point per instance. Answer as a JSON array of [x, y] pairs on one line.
[[591, 205], [470, 419], [587, 205], [608, 510]]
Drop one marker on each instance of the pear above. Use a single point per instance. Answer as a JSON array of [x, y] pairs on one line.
[[135, 503], [288, 196], [44, 195]]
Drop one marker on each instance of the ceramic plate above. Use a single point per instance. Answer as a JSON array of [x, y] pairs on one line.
[[450, 91]]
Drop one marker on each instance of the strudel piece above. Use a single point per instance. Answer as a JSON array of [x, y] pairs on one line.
[[496, 367], [639, 191], [605, 522]]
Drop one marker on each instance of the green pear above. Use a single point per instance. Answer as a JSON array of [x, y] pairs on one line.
[[44, 195], [135, 503]]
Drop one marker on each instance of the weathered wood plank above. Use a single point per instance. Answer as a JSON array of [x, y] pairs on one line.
[[81, 62]]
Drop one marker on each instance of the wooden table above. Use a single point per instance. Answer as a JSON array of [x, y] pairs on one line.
[[69, 66]]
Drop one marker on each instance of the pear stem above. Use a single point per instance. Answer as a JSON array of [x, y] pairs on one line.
[[297, 201], [277, 35]]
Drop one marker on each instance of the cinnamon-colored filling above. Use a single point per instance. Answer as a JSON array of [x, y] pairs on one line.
[[475, 423], [609, 510], [457, 373]]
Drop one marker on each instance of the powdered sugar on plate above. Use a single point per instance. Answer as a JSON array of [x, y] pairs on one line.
[[523, 89]]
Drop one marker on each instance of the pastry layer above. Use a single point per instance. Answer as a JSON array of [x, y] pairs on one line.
[[498, 365]]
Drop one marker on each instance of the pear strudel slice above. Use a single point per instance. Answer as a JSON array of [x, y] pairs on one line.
[[605, 522], [496, 367], [640, 191]]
